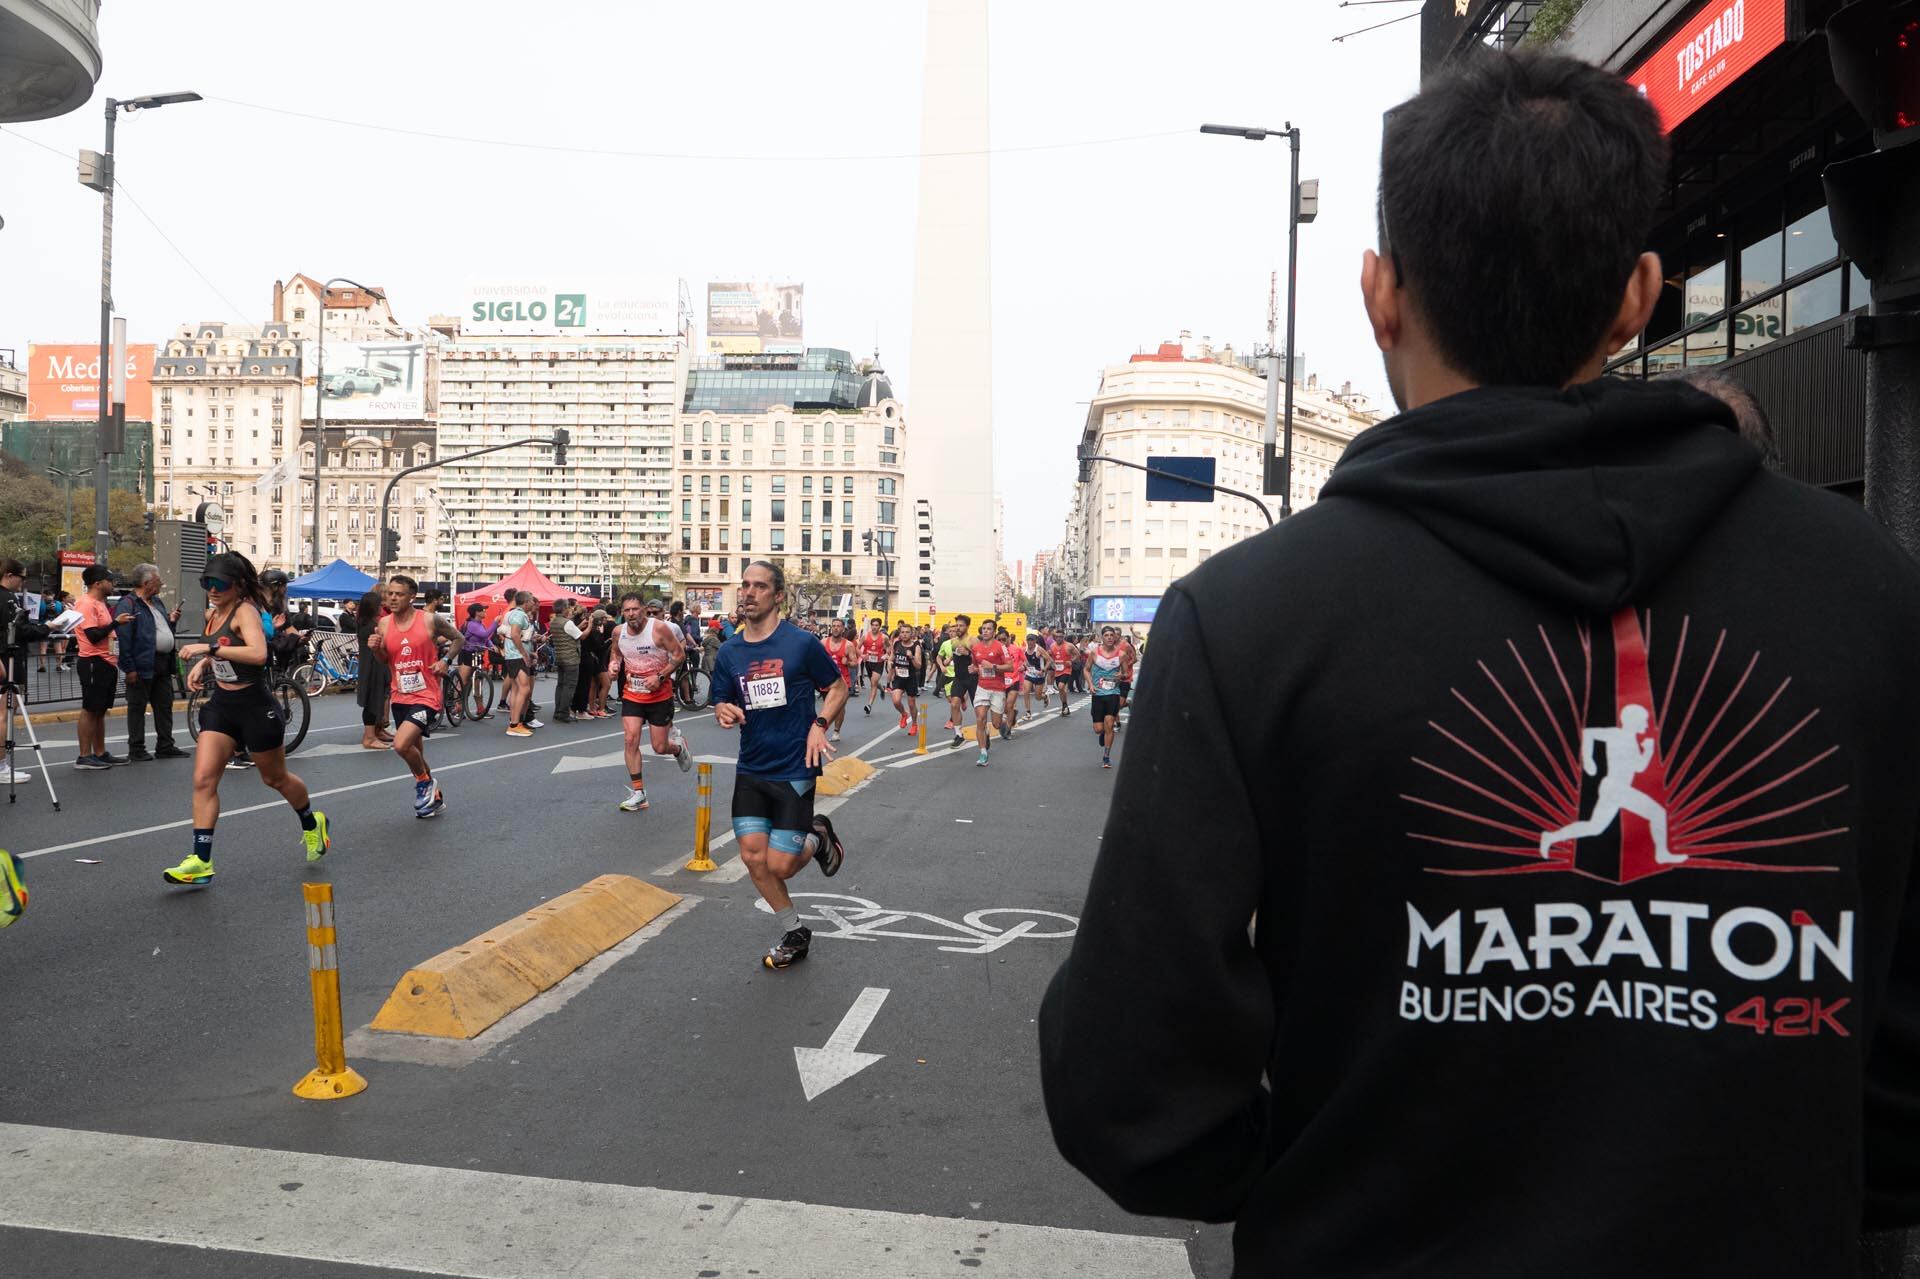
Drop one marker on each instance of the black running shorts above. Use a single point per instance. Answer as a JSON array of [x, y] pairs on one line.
[[906, 685], [1106, 706], [871, 668], [421, 716], [98, 678], [513, 666], [251, 718], [659, 714], [775, 809], [964, 688]]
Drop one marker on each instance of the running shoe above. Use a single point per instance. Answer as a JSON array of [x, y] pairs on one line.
[[1106, 761], [434, 808], [519, 730], [14, 776], [836, 735], [635, 801], [90, 762], [534, 723], [948, 726], [982, 761], [959, 740], [903, 723], [194, 871], [793, 946], [317, 841], [242, 760], [681, 754], [831, 851], [13, 889], [867, 709]]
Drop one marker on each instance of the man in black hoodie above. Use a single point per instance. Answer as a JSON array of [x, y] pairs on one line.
[[1438, 1051]]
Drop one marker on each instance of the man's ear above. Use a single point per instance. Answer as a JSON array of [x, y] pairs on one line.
[[1380, 295], [1636, 303]]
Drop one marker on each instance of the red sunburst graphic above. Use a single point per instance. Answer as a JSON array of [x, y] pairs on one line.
[[1509, 773]]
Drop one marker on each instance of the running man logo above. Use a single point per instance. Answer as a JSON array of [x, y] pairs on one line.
[[1710, 771]]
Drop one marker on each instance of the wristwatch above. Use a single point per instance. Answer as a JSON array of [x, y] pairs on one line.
[[820, 721]]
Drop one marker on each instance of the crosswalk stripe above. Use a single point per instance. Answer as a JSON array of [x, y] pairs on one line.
[[487, 1225]]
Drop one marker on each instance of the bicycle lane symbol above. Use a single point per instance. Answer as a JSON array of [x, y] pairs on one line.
[[857, 919]]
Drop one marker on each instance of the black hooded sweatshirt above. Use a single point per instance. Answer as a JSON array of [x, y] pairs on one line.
[[1683, 1041]]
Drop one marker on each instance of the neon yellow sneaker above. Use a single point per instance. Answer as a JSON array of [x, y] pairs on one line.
[[195, 870], [317, 840], [13, 889]]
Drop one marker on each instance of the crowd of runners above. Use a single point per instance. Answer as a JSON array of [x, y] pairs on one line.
[[785, 686]]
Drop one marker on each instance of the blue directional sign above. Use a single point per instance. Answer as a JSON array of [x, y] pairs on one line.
[[1194, 482]]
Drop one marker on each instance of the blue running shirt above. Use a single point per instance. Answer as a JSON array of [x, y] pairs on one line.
[[774, 682]]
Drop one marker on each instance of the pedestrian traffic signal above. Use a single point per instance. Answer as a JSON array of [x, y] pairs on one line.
[[389, 545], [866, 543], [560, 438], [1873, 200]]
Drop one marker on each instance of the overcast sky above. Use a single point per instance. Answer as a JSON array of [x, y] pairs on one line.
[[804, 119]]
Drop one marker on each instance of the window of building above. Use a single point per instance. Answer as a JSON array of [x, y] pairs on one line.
[[686, 539], [686, 455], [846, 437], [779, 483], [779, 432], [826, 432], [886, 435], [887, 486], [779, 457], [746, 539], [889, 459], [725, 481], [706, 510], [746, 457], [686, 564], [686, 484], [779, 510], [706, 484], [706, 432], [746, 508], [806, 511], [846, 484], [779, 540], [726, 432], [826, 512], [846, 539], [806, 432], [726, 455], [746, 432], [746, 484], [846, 568], [706, 539], [806, 539], [706, 455], [724, 530], [686, 509], [806, 484], [886, 512], [686, 432]]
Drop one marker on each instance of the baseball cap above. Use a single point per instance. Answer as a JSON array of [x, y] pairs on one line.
[[96, 573]]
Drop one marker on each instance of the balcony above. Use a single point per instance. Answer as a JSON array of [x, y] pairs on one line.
[[49, 57]]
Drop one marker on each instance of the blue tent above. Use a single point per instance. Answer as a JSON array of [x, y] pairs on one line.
[[337, 581]]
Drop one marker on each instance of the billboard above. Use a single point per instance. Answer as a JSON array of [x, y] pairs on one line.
[[1722, 43], [63, 382], [370, 380], [746, 318], [1104, 610], [540, 310]]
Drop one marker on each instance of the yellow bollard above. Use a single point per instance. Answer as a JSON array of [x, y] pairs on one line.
[[331, 1078], [920, 710], [703, 822]]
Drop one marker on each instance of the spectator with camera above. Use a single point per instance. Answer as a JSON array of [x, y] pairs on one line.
[[17, 630], [144, 628]]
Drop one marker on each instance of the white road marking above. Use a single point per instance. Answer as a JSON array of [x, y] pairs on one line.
[[733, 870], [857, 919], [840, 1060], [428, 1050], [489, 1225], [438, 769], [582, 763]]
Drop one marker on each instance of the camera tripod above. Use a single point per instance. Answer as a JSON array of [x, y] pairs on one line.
[[15, 706]]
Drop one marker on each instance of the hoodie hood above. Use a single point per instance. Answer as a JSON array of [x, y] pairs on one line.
[[1586, 496]]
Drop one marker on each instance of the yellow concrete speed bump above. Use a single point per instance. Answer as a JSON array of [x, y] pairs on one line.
[[460, 992], [842, 775]]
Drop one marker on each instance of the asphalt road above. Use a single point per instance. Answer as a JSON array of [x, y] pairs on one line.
[[155, 1015]]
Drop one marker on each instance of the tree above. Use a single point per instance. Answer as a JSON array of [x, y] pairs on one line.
[[1025, 604], [649, 572], [812, 591], [33, 521]]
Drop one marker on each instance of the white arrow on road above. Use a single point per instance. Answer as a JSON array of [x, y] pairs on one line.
[[839, 1061]]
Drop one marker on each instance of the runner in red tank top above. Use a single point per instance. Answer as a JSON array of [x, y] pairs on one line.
[[873, 659], [839, 647], [416, 648]]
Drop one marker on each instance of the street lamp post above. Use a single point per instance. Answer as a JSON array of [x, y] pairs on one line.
[[1295, 216], [96, 171], [320, 402], [66, 481]]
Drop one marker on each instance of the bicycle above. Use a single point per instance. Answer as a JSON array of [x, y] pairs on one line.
[[450, 697], [331, 664], [476, 699], [693, 687]]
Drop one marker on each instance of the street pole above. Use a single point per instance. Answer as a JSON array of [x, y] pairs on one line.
[[1293, 276], [100, 532], [320, 403]]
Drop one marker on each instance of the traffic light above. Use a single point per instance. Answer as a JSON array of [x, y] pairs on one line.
[[560, 438], [389, 545], [1873, 200], [866, 542]]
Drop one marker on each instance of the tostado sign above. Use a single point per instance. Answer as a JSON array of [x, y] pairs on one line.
[[1715, 47]]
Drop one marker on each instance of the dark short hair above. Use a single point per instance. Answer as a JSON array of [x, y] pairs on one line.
[[401, 579], [12, 568], [633, 595], [475, 610], [1517, 191]]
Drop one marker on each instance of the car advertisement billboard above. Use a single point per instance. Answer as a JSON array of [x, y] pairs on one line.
[[1717, 46], [374, 380], [745, 318], [541, 310], [63, 382]]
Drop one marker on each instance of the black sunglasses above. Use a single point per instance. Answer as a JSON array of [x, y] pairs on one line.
[[214, 583]]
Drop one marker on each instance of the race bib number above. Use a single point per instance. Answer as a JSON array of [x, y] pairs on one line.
[[412, 682], [223, 670], [1106, 684], [640, 684], [765, 694]]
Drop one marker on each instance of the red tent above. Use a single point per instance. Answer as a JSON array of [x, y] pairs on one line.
[[525, 578]]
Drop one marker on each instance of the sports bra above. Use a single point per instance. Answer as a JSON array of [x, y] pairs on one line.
[[227, 672]]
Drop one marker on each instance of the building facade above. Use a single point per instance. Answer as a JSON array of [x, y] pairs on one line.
[[1756, 284], [1180, 401], [608, 513], [13, 389], [225, 397], [794, 459]]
